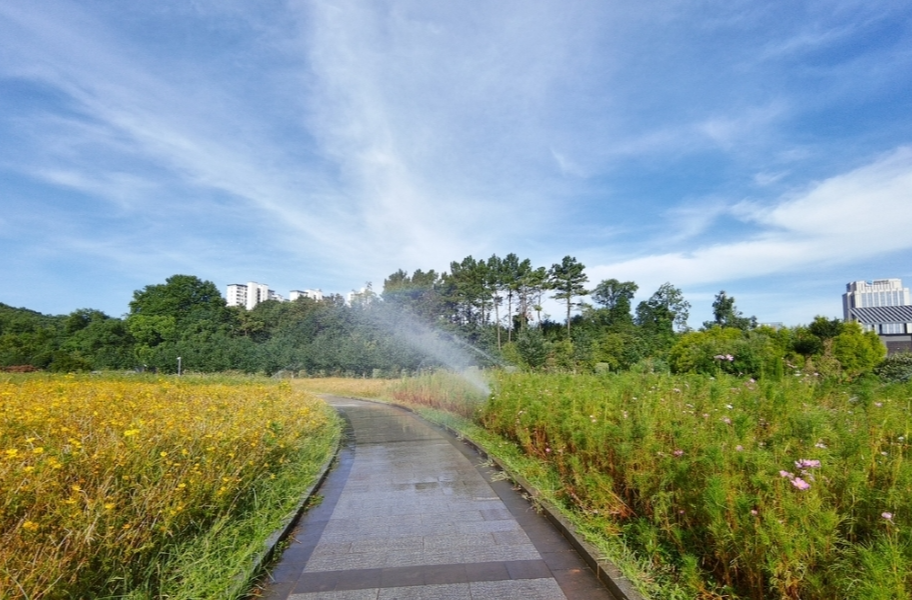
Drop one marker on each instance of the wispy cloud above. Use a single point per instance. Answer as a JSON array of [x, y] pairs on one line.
[[335, 141], [848, 217]]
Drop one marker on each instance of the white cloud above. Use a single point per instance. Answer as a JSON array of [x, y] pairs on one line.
[[358, 138], [859, 214]]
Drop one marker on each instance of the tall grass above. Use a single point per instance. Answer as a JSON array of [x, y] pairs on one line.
[[345, 386], [440, 390], [739, 489], [108, 486]]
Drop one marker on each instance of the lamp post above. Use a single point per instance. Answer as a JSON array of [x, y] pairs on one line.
[[178, 366]]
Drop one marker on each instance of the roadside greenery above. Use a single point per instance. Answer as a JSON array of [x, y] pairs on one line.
[[711, 486], [793, 488], [139, 487]]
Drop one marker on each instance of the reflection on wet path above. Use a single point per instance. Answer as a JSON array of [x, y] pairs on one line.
[[406, 513]]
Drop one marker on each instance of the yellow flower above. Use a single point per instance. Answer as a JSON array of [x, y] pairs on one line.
[[30, 526], [130, 432], [37, 450]]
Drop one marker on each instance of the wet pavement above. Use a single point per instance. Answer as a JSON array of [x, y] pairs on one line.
[[410, 512]]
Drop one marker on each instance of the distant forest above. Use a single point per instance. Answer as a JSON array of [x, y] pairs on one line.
[[481, 312]]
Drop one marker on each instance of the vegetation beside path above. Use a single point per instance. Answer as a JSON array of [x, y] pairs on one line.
[[708, 486], [142, 487]]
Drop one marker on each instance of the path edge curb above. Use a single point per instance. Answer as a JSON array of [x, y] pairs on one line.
[[605, 570], [246, 579]]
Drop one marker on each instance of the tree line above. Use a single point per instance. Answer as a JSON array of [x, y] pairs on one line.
[[491, 309]]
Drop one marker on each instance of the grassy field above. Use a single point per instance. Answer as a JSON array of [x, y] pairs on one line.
[[144, 487], [707, 487]]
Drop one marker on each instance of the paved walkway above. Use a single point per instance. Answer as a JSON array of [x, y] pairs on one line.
[[411, 513]]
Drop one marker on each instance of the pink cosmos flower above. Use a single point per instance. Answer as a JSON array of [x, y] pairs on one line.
[[887, 515], [786, 474], [678, 453], [800, 483], [805, 463]]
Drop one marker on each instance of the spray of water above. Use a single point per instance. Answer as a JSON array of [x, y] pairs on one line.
[[445, 349]]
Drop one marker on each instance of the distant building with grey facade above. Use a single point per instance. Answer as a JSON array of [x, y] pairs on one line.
[[883, 306], [868, 294]]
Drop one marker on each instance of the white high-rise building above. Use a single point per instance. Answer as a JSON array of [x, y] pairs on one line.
[[250, 295], [869, 294], [312, 294], [237, 294]]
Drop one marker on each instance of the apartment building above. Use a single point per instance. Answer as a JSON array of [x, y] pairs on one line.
[[312, 294], [250, 294]]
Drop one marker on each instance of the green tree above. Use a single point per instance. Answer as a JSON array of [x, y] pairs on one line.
[[532, 347], [567, 279], [620, 350], [614, 297], [495, 269], [100, 341], [725, 314], [514, 276], [186, 298], [151, 332], [418, 294], [826, 329], [665, 311], [858, 351], [172, 319], [466, 292], [537, 285]]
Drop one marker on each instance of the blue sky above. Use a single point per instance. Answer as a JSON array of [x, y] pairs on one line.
[[760, 148]]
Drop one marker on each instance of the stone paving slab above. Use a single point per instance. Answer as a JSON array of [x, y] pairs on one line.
[[409, 512]]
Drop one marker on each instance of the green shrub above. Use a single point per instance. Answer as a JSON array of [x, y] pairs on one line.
[[895, 368]]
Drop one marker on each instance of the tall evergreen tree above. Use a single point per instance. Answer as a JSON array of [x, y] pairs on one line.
[[567, 278]]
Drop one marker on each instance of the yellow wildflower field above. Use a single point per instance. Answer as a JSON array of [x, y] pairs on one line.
[[347, 386], [99, 477]]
